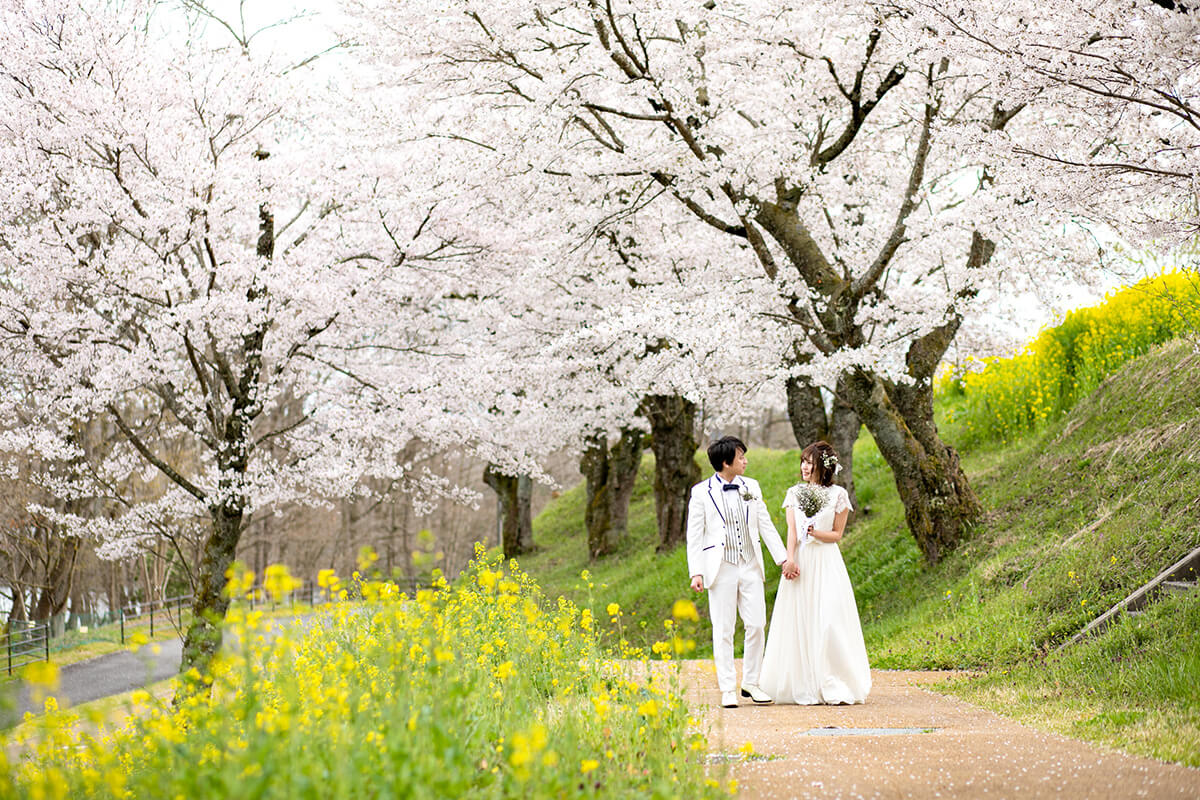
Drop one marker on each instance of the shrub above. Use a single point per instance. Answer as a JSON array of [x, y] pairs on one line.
[[1064, 363]]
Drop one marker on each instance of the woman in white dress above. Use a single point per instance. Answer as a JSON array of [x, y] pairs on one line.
[[815, 651]]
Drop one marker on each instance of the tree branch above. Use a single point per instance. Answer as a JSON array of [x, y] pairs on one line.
[[163, 467]]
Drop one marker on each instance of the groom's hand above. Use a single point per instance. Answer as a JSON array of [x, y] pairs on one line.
[[697, 583]]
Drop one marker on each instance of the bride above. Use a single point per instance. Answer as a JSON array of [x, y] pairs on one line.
[[815, 651]]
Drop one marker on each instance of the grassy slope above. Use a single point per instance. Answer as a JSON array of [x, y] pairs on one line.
[[1078, 515]]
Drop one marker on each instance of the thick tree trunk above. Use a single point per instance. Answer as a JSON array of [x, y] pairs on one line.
[[203, 639], [516, 519], [210, 602], [673, 440], [840, 427], [806, 412], [939, 504], [844, 428], [609, 476], [525, 514], [18, 612], [59, 578]]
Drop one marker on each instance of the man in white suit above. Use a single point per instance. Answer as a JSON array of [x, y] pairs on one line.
[[727, 520]]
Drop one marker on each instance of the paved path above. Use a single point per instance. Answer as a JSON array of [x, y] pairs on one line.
[[124, 671], [968, 753], [109, 674]]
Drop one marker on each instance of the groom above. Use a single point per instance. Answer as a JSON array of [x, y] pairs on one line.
[[726, 518]]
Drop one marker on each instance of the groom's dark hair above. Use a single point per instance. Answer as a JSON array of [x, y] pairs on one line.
[[724, 450]]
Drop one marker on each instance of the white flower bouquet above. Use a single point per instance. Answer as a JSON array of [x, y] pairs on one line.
[[811, 498]]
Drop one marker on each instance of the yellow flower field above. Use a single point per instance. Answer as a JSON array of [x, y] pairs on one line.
[[1066, 362], [481, 689]]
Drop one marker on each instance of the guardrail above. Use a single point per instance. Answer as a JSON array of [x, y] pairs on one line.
[[26, 645]]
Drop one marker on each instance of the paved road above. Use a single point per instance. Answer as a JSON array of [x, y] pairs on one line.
[[104, 675], [907, 742], [124, 671]]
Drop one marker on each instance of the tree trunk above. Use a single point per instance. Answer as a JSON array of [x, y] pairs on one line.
[[203, 639], [18, 612], [673, 440], [844, 428], [609, 475], [210, 603], [59, 578], [840, 427], [939, 504], [806, 412], [525, 513], [516, 519]]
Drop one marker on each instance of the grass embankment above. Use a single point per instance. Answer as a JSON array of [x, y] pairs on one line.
[[1079, 514]]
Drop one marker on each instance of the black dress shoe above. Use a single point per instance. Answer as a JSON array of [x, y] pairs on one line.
[[756, 695]]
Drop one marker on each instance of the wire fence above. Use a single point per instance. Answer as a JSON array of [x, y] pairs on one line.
[[26, 643], [180, 604]]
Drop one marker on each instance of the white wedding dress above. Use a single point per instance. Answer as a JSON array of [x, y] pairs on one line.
[[815, 651]]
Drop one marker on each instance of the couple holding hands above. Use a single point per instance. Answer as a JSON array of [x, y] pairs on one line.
[[815, 652]]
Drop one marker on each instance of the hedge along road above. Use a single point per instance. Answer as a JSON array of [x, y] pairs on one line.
[[908, 742]]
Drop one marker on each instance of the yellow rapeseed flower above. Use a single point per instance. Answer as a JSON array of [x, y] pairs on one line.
[[325, 578], [685, 609], [278, 581], [42, 675]]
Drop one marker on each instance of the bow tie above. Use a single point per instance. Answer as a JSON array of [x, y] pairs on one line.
[[730, 487]]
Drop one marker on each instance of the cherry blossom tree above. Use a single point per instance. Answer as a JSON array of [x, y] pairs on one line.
[[1113, 93], [192, 238], [600, 335], [845, 160]]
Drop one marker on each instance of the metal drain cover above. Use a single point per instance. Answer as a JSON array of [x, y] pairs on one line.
[[865, 731]]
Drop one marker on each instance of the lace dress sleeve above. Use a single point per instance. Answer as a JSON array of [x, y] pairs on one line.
[[841, 500], [790, 500]]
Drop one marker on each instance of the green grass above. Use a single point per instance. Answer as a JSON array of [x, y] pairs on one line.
[[1135, 688], [1078, 514], [94, 717]]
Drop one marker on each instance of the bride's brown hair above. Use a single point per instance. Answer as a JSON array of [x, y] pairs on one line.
[[824, 461]]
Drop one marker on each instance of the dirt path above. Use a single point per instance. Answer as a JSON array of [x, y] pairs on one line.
[[950, 750]]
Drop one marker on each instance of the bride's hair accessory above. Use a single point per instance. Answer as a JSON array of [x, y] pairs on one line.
[[824, 460]]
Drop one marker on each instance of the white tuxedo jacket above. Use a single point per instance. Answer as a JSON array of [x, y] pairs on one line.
[[706, 528]]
